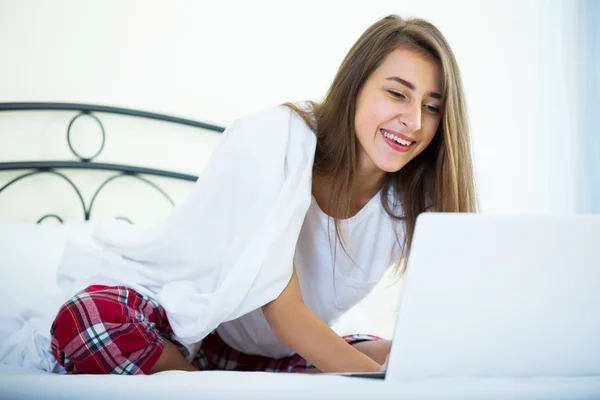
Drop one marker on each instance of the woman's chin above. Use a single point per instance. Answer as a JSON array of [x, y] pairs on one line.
[[390, 167]]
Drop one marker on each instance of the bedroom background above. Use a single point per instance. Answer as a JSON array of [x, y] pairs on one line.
[[528, 69]]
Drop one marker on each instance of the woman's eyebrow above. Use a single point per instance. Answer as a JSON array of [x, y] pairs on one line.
[[409, 85]]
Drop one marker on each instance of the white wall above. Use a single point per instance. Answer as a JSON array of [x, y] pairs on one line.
[[214, 61]]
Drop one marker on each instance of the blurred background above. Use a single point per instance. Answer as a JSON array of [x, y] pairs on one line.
[[531, 72]]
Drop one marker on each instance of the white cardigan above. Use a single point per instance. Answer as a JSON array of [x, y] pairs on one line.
[[229, 248]]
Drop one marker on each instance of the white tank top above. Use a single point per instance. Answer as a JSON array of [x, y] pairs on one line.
[[369, 239]]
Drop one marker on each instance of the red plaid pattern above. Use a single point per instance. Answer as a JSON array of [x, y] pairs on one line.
[[109, 330], [215, 354], [116, 330]]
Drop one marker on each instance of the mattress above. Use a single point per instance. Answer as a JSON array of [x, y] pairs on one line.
[[19, 383]]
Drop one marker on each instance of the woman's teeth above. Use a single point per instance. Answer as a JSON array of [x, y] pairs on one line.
[[397, 139]]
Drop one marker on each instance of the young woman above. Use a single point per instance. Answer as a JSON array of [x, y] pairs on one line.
[[389, 141]]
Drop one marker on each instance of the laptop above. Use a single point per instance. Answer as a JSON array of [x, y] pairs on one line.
[[499, 296]]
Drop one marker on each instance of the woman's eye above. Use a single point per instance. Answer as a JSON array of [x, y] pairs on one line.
[[398, 95], [431, 108]]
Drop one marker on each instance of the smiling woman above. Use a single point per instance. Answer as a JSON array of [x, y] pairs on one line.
[[245, 274], [394, 115], [399, 82]]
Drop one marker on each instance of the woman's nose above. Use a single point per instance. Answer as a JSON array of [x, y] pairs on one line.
[[411, 119]]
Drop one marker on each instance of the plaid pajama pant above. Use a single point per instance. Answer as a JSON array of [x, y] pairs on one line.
[[116, 330]]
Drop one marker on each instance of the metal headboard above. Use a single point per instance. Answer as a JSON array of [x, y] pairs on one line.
[[52, 167]]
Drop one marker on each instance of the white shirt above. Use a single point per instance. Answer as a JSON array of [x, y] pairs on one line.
[[328, 291], [229, 247]]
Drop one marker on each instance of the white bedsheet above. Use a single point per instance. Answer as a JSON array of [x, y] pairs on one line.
[[28, 307], [18, 383]]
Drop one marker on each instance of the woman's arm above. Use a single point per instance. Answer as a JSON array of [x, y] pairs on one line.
[[299, 328]]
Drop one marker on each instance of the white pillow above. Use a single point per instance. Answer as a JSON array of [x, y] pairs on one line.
[[30, 297], [29, 256]]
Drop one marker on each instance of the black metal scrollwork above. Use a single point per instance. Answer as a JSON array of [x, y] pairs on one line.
[[50, 216], [86, 113], [50, 171], [49, 167]]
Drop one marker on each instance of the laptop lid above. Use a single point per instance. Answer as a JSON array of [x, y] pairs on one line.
[[500, 296]]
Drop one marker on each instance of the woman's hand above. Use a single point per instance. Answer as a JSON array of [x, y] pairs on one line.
[[384, 366], [296, 326]]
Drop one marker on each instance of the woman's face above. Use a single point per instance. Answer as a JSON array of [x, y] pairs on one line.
[[397, 111]]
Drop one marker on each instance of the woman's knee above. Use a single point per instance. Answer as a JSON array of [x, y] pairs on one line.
[[96, 332]]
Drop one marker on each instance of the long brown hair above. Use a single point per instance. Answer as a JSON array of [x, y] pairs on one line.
[[440, 178]]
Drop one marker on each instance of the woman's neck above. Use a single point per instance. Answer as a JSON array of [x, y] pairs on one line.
[[365, 188], [368, 178], [368, 185]]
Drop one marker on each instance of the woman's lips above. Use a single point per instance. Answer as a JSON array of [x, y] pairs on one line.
[[398, 134], [394, 144]]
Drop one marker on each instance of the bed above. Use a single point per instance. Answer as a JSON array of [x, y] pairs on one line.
[[65, 166]]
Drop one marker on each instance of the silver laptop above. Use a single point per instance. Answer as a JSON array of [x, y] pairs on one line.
[[499, 296]]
